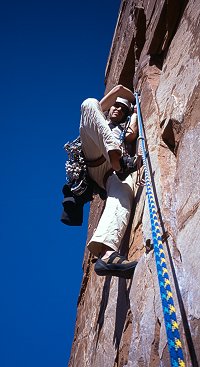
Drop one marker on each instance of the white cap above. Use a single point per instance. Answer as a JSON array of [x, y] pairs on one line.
[[125, 102]]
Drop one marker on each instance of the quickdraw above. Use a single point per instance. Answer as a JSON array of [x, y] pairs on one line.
[[76, 169], [171, 325]]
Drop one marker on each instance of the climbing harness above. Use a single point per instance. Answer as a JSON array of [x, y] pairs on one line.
[[171, 325]]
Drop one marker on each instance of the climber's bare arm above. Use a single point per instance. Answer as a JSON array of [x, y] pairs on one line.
[[118, 91], [132, 132]]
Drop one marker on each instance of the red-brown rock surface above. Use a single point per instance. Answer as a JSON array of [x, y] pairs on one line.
[[156, 49]]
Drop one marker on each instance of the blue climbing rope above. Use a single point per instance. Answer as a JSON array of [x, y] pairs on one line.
[[171, 325]]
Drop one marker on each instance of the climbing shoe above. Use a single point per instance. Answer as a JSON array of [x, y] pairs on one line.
[[116, 265], [128, 164]]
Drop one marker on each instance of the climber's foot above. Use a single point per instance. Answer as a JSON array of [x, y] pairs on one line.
[[115, 265]]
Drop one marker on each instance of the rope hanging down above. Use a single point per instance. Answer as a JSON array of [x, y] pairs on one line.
[[171, 325]]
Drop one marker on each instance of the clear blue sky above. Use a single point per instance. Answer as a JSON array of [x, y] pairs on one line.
[[53, 56]]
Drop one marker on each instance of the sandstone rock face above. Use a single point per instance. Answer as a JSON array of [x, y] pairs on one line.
[[156, 50]]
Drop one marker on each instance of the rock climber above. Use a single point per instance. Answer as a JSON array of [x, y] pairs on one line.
[[102, 123]]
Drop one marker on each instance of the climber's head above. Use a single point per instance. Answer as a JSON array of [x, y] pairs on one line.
[[120, 110]]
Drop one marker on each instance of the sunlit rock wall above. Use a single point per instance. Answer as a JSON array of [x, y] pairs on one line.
[[156, 50]]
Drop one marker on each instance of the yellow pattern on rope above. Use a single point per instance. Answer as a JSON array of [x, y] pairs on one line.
[[162, 260], [164, 271], [169, 295], [167, 282], [178, 343], [181, 363], [172, 309], [174, 326]]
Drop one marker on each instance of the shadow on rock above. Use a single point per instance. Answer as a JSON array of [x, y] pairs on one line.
[[122, 309], [103, 305]]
